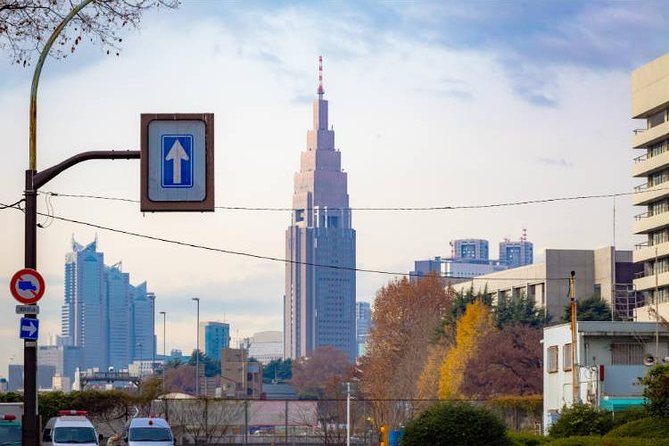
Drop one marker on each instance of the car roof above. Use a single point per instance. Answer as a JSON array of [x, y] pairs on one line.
[[72, 421], [148, 422]]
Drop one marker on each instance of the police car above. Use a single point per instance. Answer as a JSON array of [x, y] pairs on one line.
[[149, 432], [10, 431], [71, 427]]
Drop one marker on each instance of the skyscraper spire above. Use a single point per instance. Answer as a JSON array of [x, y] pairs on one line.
[[320, 90]]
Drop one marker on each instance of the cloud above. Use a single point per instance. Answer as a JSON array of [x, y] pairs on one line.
[[557, 162]]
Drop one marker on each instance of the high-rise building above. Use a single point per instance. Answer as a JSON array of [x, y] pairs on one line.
[[319, 304], [266, 346], [470, 249], [516, 253], [363, 322], [63, 358], [108, 319], [215, 336], [650, 102]]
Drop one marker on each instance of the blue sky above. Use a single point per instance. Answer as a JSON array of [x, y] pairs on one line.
[[432, 104]]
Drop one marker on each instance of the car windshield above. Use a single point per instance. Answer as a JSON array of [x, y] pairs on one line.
[[74, 435], [10, 434], [149, 434]]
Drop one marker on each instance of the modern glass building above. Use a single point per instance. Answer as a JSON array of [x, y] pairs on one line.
[[363, 322], [215, 336], [111, 321], [319, 304], [516, 253]]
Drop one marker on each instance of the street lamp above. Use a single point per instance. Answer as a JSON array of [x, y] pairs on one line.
[[139, 345], [164, 334], [197, 349]]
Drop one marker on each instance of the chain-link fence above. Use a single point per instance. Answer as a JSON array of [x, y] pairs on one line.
[[289, 422]]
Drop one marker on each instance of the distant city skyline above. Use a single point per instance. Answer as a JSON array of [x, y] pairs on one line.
[[436, 104]]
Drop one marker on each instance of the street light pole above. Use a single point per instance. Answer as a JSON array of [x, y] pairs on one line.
[[164, 334], [197, 349]]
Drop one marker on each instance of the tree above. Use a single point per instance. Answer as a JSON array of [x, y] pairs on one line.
[[657, 390], [591, 309], [470, 329], [507, 362], [278, 370], [582, 420], [211, 367], [25, 25], [403, 324], [314, 373], [180, 379], [455, 424], [522, 310]]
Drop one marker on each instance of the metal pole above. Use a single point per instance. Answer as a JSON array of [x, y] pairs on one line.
[[574, 371], [197, 349], [164, 334], [348, 414], [657, 313]]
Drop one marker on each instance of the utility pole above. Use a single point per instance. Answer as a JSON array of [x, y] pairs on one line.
[[574, 370], [197, 349], [348, 414]]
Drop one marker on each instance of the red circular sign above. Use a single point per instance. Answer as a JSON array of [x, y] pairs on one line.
[[27, 286]]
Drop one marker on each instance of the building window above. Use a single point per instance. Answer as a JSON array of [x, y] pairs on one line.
[[656, 119], [626, 354], [566, 357], [552, 359]]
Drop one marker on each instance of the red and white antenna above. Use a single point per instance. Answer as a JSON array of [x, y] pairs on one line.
[[320, 76]]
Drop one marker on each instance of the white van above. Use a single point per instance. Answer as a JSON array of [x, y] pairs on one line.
[[70, 428], [149, 432]]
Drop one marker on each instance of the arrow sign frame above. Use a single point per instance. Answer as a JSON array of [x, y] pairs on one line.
[[177, 162], [27, 286], [29, 329]]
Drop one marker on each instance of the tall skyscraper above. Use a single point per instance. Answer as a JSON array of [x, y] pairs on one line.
[[216, 337], [363, 322], [319, 304], [111, 321]]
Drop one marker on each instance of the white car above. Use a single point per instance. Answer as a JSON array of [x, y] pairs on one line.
[[71, 427], [149, 432]]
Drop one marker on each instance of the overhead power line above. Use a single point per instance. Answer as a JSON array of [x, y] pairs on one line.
[[376, 208], [270, 258]]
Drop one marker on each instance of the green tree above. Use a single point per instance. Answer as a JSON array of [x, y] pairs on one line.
[[508, 311], [592, 308], [278, 370], [211, 366], [582, 420], [455, 424], [657, 390]]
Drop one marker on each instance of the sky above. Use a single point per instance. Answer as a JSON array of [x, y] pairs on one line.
[[433, 104]]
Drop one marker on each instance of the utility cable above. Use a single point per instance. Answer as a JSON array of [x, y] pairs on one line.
[[276, 259]]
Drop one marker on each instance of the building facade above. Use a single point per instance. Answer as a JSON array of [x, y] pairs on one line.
[[266, 346], [470, 249], [604, 272], [216, 337], [363, 322], [650, 103], [610, 359], [240, 378], [516, 253], [319, 303], [107, 318]]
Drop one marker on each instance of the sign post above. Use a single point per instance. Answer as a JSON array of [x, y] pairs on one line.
[[177, 162]]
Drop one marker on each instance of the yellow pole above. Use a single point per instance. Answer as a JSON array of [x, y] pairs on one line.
[[574, 370]]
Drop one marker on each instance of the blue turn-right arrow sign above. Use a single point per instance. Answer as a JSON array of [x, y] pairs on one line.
[[29, 329]]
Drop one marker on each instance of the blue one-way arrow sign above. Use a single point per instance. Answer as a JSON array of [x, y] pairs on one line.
[[29, 329]]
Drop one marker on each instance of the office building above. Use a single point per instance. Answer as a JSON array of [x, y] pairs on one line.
[[319, 304], [650, 103], [516, 253], [455, 270], [266, 346], [240, 378], [107, 318], [363, 322], [214, 337], [63, 358], [470, 249], [45, 374], [604, 272]]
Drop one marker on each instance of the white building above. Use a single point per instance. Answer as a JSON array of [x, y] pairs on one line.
[[266, 346], [611, 359], [604, 272]]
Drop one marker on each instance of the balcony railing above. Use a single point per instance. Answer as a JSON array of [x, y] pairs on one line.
[[641, 216], [641, 187], [641, 158], [641, 245]]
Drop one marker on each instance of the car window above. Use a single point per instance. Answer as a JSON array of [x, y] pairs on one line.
[[74, 435], [10, 434], [149, 434]]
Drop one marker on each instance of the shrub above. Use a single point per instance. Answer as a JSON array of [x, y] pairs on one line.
[[605, 441], [644, 428], [657, 390], [582, 419], [455, 424], [629, 414], [527, 439]]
